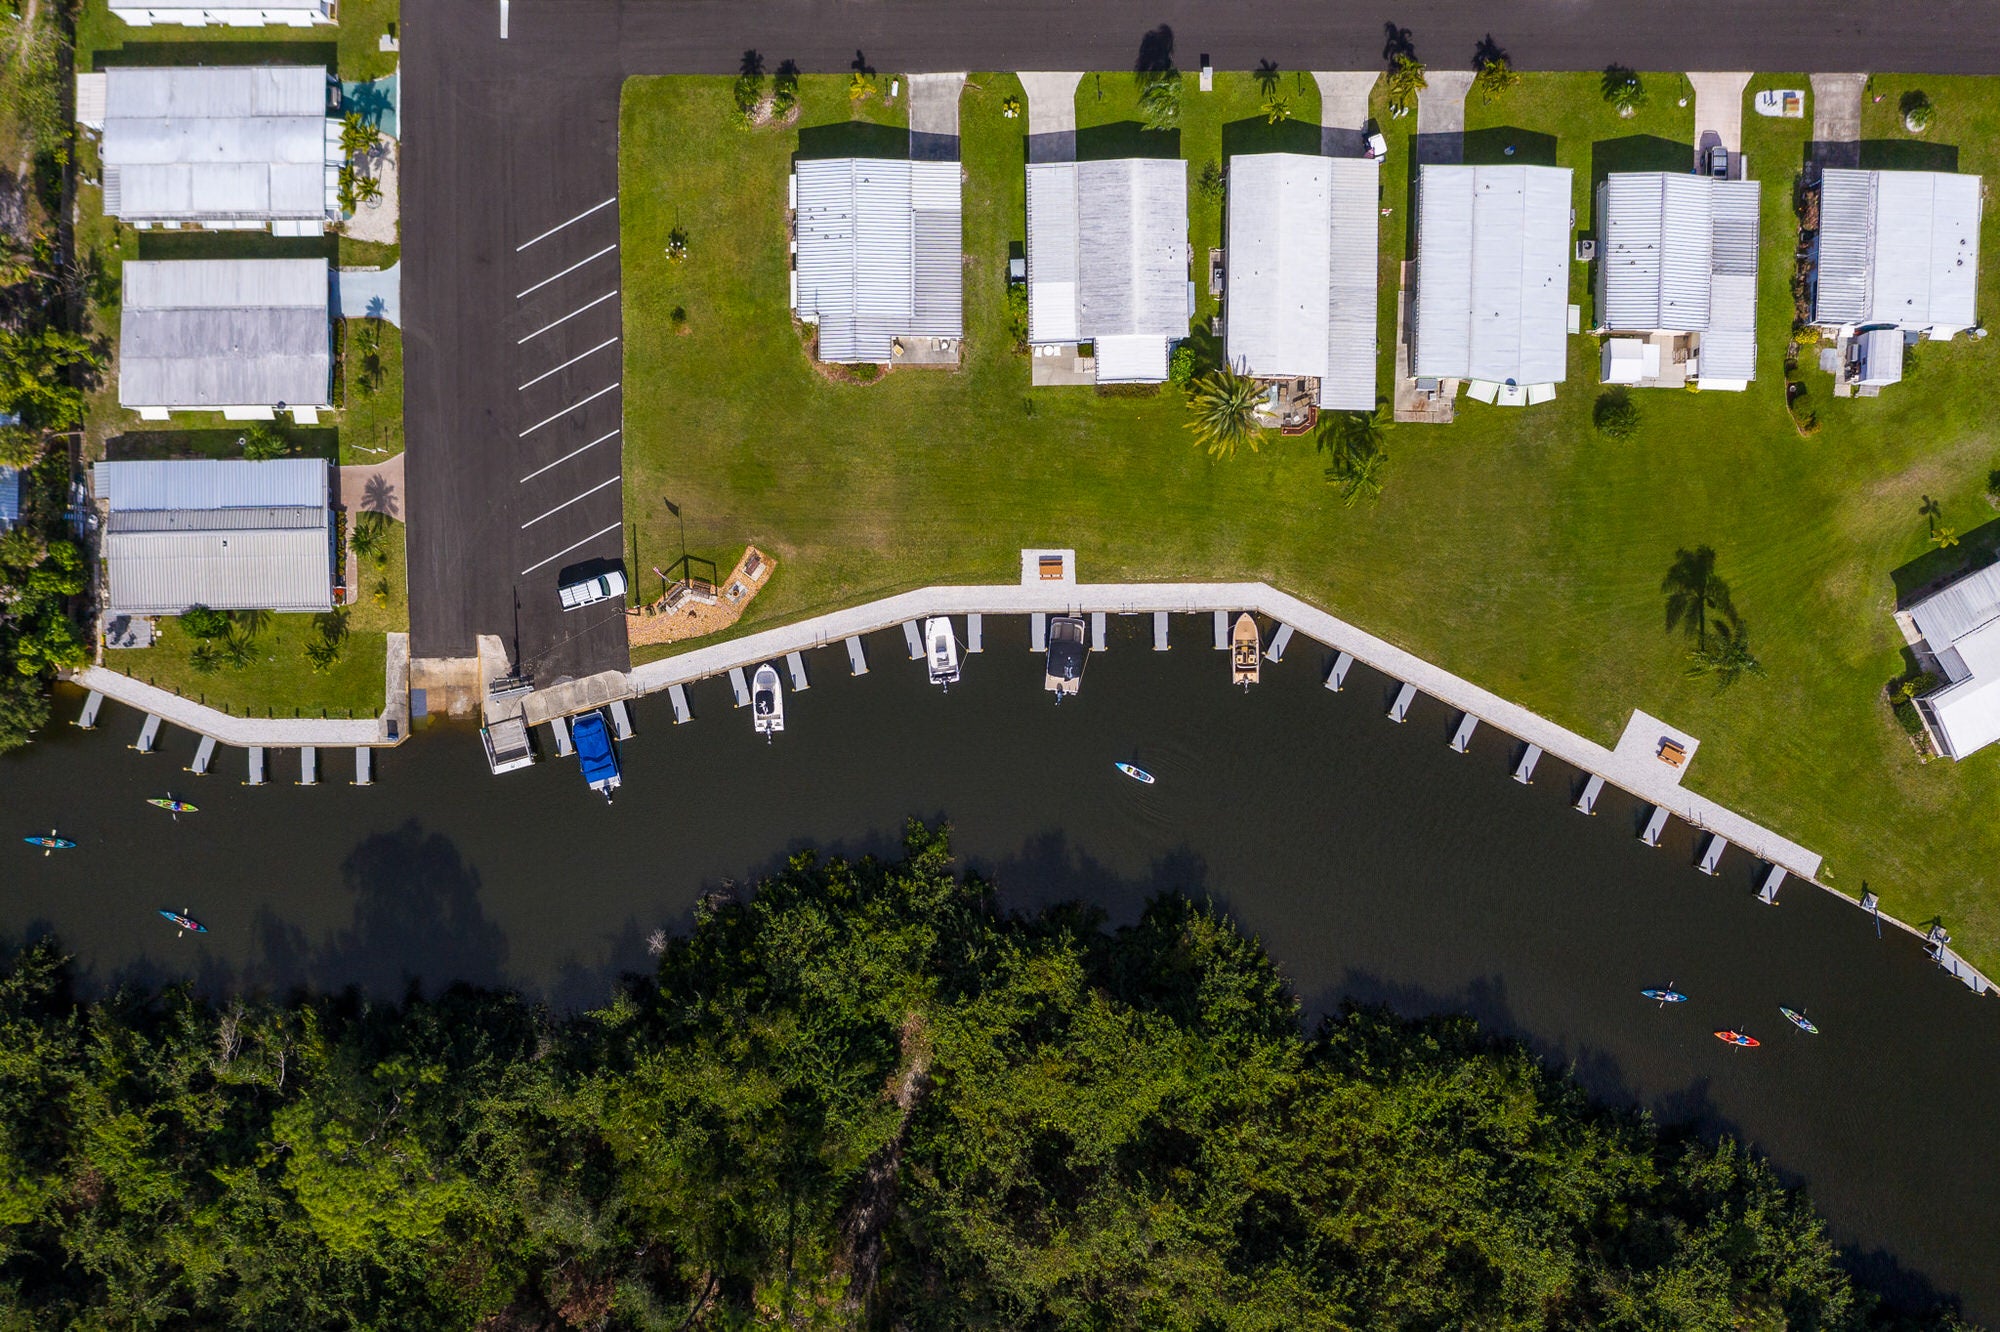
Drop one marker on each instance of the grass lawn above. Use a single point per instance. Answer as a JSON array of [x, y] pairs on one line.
[[353, 45], [1516, 548], [279, 683], [371, 388]]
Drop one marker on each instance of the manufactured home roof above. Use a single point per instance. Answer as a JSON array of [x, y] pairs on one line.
[[249, 143], [880, 253], [1680, 254], [210, 333], [1492, 273], [1302, 271], [10, 497], [228, 534], [1898, 247], [1107, 249]]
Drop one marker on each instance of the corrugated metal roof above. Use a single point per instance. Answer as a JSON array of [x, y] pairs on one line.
[[217, 520], [880, 253], [1846, 246], [222, 483], [1052, 252], [272, 7], [1492, 273], [1680, 255], [1348, 383], [1133, 358], [1132, 247], [1729, 343], [211, 333], [218, 143], [1898, 247], [10, 497]]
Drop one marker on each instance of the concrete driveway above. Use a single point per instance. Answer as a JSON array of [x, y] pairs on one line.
[[1343, 111], [934, 116], [1718, 117], [1441, 117], [1051, 115], [1836, 139]]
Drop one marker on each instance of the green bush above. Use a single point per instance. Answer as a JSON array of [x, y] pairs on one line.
[[262, 442], [1184, 366], [202, 623], [1616, 416]]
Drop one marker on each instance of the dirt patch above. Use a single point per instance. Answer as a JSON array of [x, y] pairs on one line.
[[694, 609]]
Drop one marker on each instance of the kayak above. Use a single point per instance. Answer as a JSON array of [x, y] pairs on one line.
[[1136, 773], [51, 843], [1665, 996], [185, 921], [1738, 1038], [1799, 1020], [171, 805]]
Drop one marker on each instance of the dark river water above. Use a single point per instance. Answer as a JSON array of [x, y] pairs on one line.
[[1372, 861]]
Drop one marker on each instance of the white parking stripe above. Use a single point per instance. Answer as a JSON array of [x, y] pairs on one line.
[[567, 549], [567, 456], [566, 318], [571, 500], [595, 208], [566, 272], [567, 364], [613, 388]]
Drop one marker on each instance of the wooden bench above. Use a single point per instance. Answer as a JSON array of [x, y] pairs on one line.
[[1672, 754], [1051, 568]]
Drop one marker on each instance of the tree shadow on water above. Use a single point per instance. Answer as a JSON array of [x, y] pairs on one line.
[[1048, 871]]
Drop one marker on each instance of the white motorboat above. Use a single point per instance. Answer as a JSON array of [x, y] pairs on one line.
[[767, 701], [943, 650]]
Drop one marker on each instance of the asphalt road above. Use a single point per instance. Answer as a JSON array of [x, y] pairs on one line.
[[504, 140]]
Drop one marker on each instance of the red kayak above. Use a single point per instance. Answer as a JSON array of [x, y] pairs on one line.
[[1737, 1038]]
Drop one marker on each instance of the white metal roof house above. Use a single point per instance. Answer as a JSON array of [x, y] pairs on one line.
[[227, 148], [1108, 261], [1960, 624], [1492, 279], [1679, 257], [1897, 249], [231, 13], [231, 535], [244, 337], [880, 264], [1302, 246], [10, 497]]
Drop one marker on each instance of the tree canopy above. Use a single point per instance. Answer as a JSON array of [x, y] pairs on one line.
[[863, 1097]]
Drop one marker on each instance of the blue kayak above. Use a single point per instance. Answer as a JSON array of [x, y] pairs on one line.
[[187, 923], [1666, 996], [51, 843]]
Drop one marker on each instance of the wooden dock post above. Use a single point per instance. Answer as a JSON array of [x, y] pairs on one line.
[[795, 665], [1336, 679], [91, 705], [1711, 855], [1462, 737], [1222, 631], [1587, 802], [560, 728], [1097, 631], [1279, 642], [1400, 709], [204, 753], [739, 686], [913, 639], [308, 766], [974, 631], [1038, 632], [149, 734], [678, 696], [1656, 824], [621, 720], [1774, 879], [1160, 631], [1524, 771], [364, 766], [256, 765], [857, 659]]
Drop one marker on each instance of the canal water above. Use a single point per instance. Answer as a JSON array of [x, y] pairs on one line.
[[1372, 860]]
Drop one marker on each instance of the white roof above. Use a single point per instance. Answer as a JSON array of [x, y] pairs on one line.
[[1492, 274], [1107, 249], [1898, 247], [1680, 255], [130, 487], [215, 143], [1133, 358], [212, 333], [880, 253], [1961, 624], [1302, 271]]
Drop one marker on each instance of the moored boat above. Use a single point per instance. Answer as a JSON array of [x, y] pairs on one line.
[[1737, 1038], [594, 752], [1799, 1020], [1135, 772], [1245, 650], [767, 701], [1062, 669], [943, 650]]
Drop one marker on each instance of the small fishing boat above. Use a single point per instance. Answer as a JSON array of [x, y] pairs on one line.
[[1245, 650], [1738, 1038], [1135, 772], [767, 702], [943, 651], [1062, 668], [1666, 996], [188, 924], [51, 843], [595, 754], [172, 805], [1799, 1020]]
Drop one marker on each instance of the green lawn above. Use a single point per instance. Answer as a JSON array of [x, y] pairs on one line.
[[279, 683], [1516, 548], [353, 44], [371, 387]]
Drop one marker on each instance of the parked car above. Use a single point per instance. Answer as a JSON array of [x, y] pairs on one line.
[[590, 591], [1718, 162]]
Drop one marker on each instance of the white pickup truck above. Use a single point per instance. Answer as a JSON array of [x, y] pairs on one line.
[[590, 591]]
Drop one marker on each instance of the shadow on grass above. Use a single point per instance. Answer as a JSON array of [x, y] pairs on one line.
[[852, 138], [1907, 155], [1257, 134], [1637, 152], [1125, 138], [1488, 147], [222, 442], [1975, 550], [218, 53], [235, 245]]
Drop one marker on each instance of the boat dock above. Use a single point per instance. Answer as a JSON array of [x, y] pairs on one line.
[[974, 628], [1524, 770], [857, 660], [149, 734], [795, 666], [739, 686], [1097, 631], [1336, 679], [1461, 739], [1400, 708], [1279, 642], [1160, 643], [913, 640], [204, 754], [677, 694], [1656, 823], [1587, 802], [91, 705], [1711, 855]]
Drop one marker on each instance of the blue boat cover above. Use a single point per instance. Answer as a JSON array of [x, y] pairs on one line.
[[593, 749]]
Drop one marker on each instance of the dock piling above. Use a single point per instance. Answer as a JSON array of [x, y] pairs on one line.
[[677, 695], [1279, 642], [1656, 824], [256, 765], [1774, 879], [364, 766], [1336, 679], [88, 721], [204, 753], [1462, 737], [149, 734], [1097, 631], [1222, 631], [559, 727], [1038, 632], [795, 664], [1400, 709], [913, 639], [1524, 771], [739, 686], [1159, 631], [973, 631], [308, 766], [1711, 855], [621, 720], [857, 659], [1587, 802]]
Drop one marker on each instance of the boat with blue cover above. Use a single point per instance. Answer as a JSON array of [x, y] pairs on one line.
[[594, 751]]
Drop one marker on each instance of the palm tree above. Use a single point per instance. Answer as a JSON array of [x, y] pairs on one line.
[[1623, 90], [252, 623], [1405, 81], [234, 648], [1223, 403], [1353, 440], [1728, 659], [1160, 100], [1695, 593]]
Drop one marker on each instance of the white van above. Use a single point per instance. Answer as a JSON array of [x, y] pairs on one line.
[[590, 591]]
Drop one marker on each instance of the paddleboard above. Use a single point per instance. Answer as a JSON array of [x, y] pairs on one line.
[[1137, 774]]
